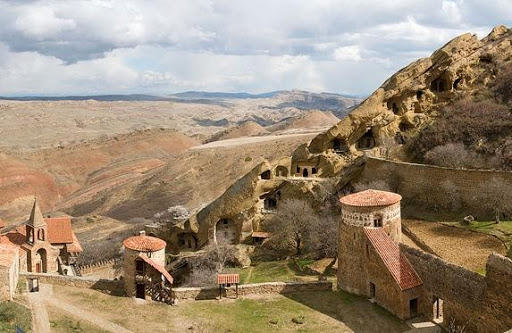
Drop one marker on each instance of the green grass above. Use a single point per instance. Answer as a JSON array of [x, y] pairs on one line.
[[315, 311], [269, 271], [11, 314], [502, 230]]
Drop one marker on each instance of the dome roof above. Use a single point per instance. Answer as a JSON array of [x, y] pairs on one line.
[[371, 198], [144, 243]]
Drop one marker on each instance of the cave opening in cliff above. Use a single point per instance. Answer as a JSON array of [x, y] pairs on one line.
[[265, 175], [404, 127], [281, 171], [419, 94], [340, 146], [456, 83], [367, 141], [439, 85], [393, 106]]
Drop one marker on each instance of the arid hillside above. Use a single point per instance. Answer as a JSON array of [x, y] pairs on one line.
[[126, 159]]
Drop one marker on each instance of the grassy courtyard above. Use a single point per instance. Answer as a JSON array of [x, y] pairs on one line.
[[299, 312], [11, 314], [270, 271]]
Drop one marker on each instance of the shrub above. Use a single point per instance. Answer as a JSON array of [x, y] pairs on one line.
[[475, 125], [503, 84]]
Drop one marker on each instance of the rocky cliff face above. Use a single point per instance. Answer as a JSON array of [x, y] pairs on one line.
[[410, 99], [397, 110]]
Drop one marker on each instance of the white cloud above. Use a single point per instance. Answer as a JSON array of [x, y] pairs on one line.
[[348, 53], [159, 46]]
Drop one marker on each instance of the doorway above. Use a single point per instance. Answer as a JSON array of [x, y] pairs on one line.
[[438, 310], [413, 307], [305, 173], [372, 290], [140, 291]]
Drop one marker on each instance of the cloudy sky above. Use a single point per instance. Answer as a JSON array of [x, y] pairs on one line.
[[159, 47]]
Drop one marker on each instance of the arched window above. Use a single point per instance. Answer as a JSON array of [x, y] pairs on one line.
[[40, 234], [377, 221]]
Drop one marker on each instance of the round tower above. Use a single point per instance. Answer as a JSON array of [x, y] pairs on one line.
[[366, 209], [141, 254]]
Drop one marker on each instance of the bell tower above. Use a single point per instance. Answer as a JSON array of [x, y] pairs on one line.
[[36, 228]]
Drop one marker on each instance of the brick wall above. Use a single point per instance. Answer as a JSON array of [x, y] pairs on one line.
[[252, 289]]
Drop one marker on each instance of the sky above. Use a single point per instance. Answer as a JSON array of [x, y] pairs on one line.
[[163, 47]]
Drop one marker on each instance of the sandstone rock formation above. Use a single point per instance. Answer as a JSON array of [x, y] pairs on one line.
[[405, 102]]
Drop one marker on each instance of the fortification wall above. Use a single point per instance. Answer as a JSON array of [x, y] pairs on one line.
[[252, 289], [110, 286], [480, 303], [104, 269], [428, 184]]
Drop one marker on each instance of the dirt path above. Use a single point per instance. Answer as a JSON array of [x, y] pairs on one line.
[[249, 140], [40, 320], [85, 315], [249, 274]]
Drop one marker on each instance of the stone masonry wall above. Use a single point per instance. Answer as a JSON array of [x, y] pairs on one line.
[[480, 303], [252, 289], [110, 286], [425, 183]]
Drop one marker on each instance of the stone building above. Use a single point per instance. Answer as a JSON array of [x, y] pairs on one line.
[[49, 245], [9, 270], [370, 262], [145, 275]]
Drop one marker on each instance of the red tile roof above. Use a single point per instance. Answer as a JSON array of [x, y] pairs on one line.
[[395, 261], [371, 198], [228, 278], [260, 234], [156, 266], [144, 243], [59, 230], [8, 254], [74, 247]]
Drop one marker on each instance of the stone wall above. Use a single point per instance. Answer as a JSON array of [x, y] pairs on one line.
[[109, 286], [428, 184], [252, 289], [100, 267], [480, 303]]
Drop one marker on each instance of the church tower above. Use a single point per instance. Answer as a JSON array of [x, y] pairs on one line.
[[36, 228]]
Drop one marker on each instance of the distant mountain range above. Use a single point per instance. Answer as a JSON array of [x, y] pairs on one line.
[[188, 95]]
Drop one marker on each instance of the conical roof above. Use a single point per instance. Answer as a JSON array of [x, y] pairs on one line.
[[36, 217]]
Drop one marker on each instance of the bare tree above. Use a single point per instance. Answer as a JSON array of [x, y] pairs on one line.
[[174, 214], [205, 268], [290, 225], [323, 237], [495, 196], [453, 155]]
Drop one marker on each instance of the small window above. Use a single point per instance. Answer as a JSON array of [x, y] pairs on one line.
[[40, 234], [377, 221], [298, 169], [372, 290], [313, 171], [225, 222], [149, 254], [139, 267]]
